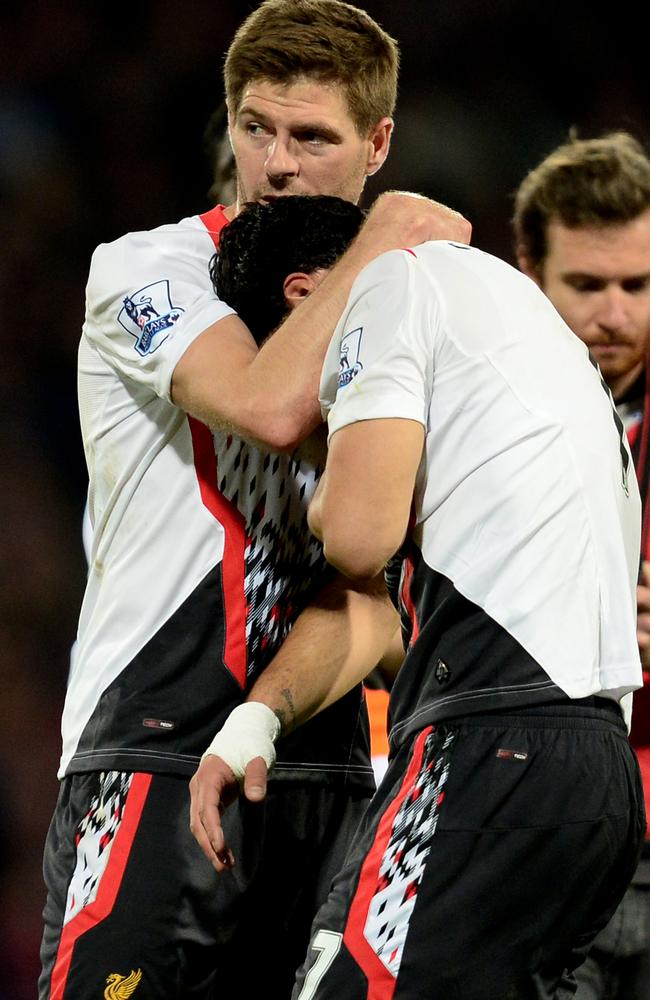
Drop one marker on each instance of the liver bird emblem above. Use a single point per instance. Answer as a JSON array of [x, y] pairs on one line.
[[120, 987]]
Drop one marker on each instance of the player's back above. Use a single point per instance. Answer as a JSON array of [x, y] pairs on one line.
[[511, 378], [527, 510]]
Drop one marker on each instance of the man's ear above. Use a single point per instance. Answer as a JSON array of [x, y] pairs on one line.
[[527, 267], [297, 286], [379, 144]]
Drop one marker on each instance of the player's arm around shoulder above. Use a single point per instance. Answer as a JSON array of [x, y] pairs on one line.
[[272, 395]]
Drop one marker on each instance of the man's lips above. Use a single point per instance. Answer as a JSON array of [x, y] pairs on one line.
[[609, 349]]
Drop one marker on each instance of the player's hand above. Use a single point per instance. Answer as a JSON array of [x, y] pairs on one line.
[[212, 789], [643, 615], [239, 755], [400, 219]]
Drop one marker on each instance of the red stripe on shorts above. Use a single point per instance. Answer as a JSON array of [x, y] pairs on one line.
[[407, 598], [381, 982], [234, 550], [102, 906]]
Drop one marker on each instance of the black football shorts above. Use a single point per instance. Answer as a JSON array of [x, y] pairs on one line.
[[134, 907], [492, 853]]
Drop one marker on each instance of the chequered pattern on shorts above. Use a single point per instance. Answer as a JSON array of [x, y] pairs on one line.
[[283, 560], [405, 857], [94, 838]]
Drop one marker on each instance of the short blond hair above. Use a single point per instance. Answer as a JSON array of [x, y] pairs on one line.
[[325, 40]]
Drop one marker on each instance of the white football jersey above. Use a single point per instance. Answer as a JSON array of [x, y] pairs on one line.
[[520, 573], [201, 557]]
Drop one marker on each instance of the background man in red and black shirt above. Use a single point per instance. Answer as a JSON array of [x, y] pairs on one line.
[[582, 227]]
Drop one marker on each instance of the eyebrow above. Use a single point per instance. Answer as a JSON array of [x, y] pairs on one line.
[[580, 275], [595, 276], [320, 127]]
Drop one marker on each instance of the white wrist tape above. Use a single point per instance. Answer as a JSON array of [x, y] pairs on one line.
[[249, 731]]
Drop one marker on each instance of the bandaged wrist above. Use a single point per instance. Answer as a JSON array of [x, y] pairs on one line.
[[249, 731]]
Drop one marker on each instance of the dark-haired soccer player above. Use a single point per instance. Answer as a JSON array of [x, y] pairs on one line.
[[468, 428], [256, 259]]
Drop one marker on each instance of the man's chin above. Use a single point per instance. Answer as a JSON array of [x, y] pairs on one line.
[[612, 369]]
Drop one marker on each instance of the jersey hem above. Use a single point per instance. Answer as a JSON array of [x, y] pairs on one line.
[[185, 765], [481, 702]]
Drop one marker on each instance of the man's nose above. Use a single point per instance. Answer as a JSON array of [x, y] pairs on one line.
[[613, 313], [280, 162]]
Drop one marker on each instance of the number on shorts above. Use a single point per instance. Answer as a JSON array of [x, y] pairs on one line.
[[328, 944]]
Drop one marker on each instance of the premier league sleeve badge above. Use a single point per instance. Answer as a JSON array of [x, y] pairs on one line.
[[148, 314], [349, 363]]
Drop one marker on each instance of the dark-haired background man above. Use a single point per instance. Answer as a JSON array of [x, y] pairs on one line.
[[201, 558], [582, 229]]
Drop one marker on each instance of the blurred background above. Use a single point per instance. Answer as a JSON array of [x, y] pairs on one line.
[[103, 109]]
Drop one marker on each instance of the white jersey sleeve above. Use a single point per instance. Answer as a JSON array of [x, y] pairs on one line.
[[378, 363], [149, 296]]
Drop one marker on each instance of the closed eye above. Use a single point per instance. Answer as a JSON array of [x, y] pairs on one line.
[[584, 283], [639, 283]]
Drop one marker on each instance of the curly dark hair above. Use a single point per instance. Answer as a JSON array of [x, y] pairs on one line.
[[265, 243]]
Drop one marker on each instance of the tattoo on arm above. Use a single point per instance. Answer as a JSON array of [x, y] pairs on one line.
[[286, 715]]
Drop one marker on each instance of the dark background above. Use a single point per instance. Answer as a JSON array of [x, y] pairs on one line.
[[102, 111]]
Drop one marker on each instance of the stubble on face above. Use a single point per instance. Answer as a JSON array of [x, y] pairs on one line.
[[349, 188]]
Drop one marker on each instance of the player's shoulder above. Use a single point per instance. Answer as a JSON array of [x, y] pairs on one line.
[[455, 254], [416, 259], [412, 267], [465, 255], [165, 240], [450, 261], [397, 275], [391, 266], [178, 252]]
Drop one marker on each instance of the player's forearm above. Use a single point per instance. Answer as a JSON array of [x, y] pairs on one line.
[[334, 644], [291, 360], [271, 395]]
